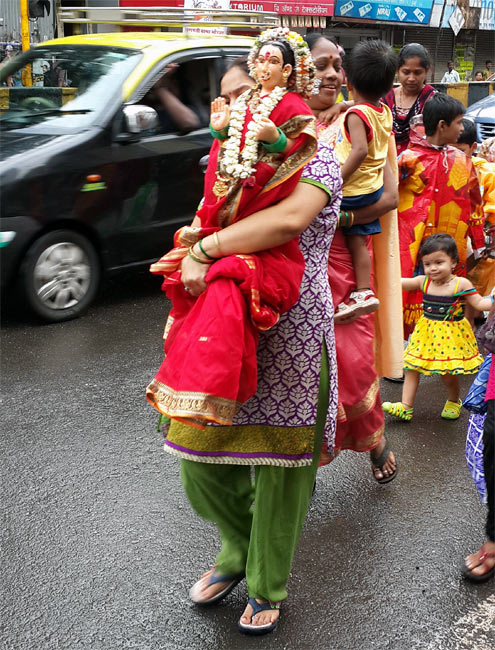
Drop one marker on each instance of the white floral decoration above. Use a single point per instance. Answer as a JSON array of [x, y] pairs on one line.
[[241, 164], [304, 67]]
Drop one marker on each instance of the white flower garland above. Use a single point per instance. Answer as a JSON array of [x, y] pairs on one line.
[[241, 164]]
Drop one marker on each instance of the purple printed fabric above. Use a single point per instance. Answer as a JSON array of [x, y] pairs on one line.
[[474, 452], [289, 355]]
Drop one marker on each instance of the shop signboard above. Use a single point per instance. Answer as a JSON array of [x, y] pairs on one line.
[[289, 8], [403, 11], [487, 15]]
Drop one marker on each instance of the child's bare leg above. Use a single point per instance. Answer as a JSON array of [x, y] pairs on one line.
[[410, 388], [453, 388], [360, 260], [404, 408]]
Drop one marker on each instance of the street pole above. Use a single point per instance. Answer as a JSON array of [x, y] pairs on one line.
[[26, 77]]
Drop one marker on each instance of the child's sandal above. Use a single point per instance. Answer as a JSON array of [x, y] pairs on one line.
[[452, 410], [398, 409]]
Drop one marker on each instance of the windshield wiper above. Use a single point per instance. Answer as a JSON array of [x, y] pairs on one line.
[[59, 111]]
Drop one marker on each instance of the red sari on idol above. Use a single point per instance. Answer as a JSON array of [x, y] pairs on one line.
[[210, 369]]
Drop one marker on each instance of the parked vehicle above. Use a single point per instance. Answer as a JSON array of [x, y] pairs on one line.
[[483, 115], [96, 173]]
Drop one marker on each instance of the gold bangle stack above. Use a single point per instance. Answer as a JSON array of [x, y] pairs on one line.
[[197, 259]]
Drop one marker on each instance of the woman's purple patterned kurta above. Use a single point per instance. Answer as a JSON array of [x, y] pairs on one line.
[[289, 359]]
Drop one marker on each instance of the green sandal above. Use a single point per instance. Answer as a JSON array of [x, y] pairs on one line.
[[398, 409], [452, 410]]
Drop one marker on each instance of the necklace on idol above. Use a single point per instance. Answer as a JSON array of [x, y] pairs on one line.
[[237, 164]]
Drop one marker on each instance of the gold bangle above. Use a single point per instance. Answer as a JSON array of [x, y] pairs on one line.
[[217, 243], [351, 218], [194, 257]]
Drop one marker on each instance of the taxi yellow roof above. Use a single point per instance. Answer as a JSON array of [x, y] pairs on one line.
[[154, 46]]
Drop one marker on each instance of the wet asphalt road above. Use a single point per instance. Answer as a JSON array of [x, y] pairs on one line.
[[100, 545]]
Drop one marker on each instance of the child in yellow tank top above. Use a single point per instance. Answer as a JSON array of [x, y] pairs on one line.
[[361, 148]]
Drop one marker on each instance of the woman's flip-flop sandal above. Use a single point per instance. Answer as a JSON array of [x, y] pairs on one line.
[[249, 628], [378, 463], [452, 410], [474, 577], [214, 578]]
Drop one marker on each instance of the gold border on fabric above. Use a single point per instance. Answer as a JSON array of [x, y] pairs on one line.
[[362, 407], [193, 408], [229, 460]]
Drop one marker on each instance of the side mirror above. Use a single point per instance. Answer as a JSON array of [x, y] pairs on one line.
[[203, 163], [139, 118]]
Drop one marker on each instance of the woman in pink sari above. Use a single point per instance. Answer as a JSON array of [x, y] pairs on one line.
[[360, 422]]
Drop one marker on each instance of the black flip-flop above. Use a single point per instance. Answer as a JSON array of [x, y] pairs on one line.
[[379, 462]]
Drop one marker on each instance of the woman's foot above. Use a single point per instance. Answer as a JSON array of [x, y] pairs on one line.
[[211, 587], [259, 617], [480, 566], [383, 462]]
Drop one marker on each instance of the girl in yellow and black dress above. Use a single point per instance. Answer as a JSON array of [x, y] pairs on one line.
[[443, 342]]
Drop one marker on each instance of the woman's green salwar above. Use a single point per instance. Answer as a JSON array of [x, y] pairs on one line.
[[258, 538]]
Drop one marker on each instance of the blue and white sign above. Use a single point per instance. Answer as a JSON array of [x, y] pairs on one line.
[[408, 11]]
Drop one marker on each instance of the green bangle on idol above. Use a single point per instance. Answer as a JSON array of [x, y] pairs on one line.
[[279, 145], [219, 135]]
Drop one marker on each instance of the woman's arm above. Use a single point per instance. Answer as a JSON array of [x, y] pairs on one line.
[[262, 230], [412, 284], [389, 200]]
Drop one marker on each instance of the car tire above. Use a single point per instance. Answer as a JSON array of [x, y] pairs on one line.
[[60, 275]]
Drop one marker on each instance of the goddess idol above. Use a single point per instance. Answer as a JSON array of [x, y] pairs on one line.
[[260, 147]]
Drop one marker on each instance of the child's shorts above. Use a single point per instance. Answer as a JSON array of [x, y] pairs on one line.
[[361, 201]]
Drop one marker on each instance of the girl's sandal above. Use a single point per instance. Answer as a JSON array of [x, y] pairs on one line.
[[257, 607], [483, 577], [398, 409], [452, 410]]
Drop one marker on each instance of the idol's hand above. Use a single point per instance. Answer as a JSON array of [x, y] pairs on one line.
[[266, 131], [220, 114], [193, 276]]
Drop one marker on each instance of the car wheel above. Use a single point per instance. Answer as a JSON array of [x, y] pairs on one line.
[[60, 275]]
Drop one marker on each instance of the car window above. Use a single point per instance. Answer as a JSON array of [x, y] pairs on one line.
[[63, 87], [182, 92]]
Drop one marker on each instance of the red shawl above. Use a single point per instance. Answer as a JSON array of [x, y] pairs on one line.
[[210, 366]]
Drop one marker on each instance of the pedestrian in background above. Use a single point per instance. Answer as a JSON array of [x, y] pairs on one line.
[[438, 192], [488, 69], [451, 76], [478, 76], [480, 566], [408, 99]]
